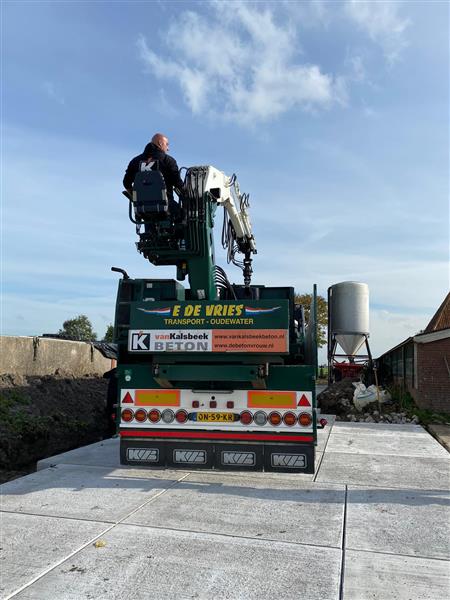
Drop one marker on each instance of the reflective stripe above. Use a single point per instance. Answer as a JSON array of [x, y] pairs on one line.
[[216, 435], [157, 398], [272, 399]]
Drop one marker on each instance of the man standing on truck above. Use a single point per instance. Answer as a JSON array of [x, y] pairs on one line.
[[156, 151]]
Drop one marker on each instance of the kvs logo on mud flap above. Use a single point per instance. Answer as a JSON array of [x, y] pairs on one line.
[[247, 459], [190, 456], [290, 461], [143, 454]]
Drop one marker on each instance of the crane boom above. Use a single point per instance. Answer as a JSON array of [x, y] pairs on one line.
[[225, 190]]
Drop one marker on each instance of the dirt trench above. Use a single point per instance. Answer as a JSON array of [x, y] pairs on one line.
[[43, 416]]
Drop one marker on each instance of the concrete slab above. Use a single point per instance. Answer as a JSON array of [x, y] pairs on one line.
[[380, 471], [79, 492], [412, 444], [32, 544], [101, 454], [376, 428], [413, 522], [387, 577], [144, 564], [289, 511]]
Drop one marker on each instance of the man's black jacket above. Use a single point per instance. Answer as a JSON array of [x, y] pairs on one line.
[[167, 165]]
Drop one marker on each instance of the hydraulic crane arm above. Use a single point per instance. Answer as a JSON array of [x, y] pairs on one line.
[[185, 238], [226, 192]]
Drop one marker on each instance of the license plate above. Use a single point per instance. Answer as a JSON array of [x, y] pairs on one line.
[[209, 417]]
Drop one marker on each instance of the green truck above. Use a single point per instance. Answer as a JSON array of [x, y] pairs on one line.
[[210, 375]]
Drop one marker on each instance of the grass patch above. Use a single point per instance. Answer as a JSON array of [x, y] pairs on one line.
[[406, 404]]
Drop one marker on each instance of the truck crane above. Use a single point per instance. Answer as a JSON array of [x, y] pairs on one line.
[[213, 375]]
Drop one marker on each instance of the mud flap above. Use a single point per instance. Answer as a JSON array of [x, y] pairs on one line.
[[292, 458], [190, 455], [286, 458], [239, 457], [142, 452]]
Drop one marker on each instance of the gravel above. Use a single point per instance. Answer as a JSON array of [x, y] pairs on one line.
[[337, 399]]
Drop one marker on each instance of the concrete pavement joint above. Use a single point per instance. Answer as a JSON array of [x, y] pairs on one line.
[[445, 560], [229, 535], [379, 487], [28, 514], [91, 541], [344, 527], [323, 455]]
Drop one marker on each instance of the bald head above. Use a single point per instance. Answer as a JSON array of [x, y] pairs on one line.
[[160, 140]]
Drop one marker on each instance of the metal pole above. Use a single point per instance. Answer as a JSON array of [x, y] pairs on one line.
[[378, 391]]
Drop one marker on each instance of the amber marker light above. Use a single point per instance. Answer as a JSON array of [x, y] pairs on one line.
[[140, 415], [305, 419], [154, 415], [127, 415], [289, 419], [274, 418]]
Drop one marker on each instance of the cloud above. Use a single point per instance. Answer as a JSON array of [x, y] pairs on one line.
[[164, 106], [242, 63], [50, 89], [382, 22], [312, 14]]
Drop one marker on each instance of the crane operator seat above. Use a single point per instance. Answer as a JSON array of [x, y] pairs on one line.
[[150, 195]]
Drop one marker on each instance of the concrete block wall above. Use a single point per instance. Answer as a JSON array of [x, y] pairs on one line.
[[433, 377], [44, 356]]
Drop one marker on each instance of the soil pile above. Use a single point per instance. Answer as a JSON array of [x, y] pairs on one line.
[[43, 416], [338, 399]]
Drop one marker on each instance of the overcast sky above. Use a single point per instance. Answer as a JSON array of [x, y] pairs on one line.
[[334, 115]]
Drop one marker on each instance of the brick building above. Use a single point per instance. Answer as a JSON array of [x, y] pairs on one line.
[[421, 363]]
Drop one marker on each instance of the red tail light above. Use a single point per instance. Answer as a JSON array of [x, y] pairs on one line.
[[230, 404], [140, 415], [181, 416], [213, 404], [274, 418], [246, 417], [305, 419], [195, 403], [154, 415], [127, 415], [289, 419], [323, 422]]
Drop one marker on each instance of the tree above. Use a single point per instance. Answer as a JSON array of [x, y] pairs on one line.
[[79, 328], [109, 335], [322, 315]]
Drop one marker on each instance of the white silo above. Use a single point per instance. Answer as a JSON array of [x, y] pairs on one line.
[[348, 325]]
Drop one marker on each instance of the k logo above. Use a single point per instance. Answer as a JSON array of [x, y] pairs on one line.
[[139, 341]]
